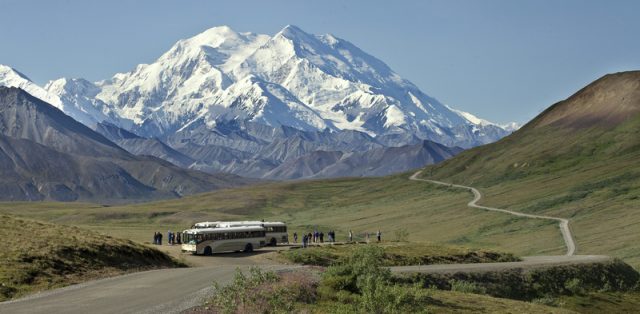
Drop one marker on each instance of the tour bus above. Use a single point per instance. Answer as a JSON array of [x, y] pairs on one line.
[[276, 232], [207, 241]]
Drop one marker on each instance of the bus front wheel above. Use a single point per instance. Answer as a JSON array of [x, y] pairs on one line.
[[208, 251], [248, 248]]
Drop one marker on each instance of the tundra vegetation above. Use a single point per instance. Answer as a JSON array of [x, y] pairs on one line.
[[359, 282]]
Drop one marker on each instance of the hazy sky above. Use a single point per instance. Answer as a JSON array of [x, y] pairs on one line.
[[501, 60]]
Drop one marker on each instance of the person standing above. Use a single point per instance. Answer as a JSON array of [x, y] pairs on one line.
[[295, 237], [179, 241], [350, 236], [321, 237], [378, 235], [304, 241], [159, 238]]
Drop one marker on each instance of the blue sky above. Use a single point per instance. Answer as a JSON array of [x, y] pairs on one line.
[[501, 60]]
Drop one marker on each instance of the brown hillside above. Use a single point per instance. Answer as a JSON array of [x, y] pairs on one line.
[[607, 102]]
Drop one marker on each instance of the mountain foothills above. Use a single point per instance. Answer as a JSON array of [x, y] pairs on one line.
[[266, 106], [46, 155], [579, 159]]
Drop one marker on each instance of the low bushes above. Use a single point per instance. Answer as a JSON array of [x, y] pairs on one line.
[[264, 292], [538, 283], [359, 284]]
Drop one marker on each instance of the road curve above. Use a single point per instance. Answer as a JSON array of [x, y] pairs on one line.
[[564, 223]]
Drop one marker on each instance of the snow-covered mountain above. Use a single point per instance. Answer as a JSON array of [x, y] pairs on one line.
[[293, 78], [284, 95], [74, 97]]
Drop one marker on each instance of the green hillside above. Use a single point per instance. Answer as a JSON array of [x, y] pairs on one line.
[[580, 159]]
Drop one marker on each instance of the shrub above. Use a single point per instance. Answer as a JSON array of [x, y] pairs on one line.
[[360, 278], [264, 292], [574, 286], [466, 287]]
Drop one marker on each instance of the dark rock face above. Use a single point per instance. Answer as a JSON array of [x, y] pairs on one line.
[[375, 162], [46, 155], [258, 151]]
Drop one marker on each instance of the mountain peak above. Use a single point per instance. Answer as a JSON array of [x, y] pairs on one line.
[[7, 72], [223, 31], [292, 32], [300, 79]]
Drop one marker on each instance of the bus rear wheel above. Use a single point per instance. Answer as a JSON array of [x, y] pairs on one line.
[[273, 242], [208, 251], [248, 248]]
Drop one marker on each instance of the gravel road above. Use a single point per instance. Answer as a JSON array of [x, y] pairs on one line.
[[564, 223]]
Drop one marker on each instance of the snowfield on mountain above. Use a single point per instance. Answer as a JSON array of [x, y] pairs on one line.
[[293, 78], [261, 100]]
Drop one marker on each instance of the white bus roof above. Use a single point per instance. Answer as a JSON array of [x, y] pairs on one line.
[[220, 224], [208, 224], [225, 229]]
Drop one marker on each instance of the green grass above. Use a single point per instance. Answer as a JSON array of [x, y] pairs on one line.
[[397, 254], [37, 256], [590, 176], [428, 213], [601, 302]]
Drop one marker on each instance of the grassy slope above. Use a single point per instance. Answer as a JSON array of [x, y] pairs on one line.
[[580, 159], [397, 254], [429, 213], [591, 178], [37, 256]]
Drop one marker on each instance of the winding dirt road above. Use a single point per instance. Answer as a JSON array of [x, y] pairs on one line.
[[564, 223]]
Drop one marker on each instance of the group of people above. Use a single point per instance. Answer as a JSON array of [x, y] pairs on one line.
[[318, 237], [172, 238]]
